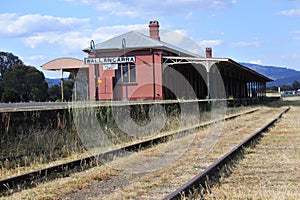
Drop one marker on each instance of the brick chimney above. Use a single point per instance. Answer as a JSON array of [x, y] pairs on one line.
[[154, 30], [208, 52]]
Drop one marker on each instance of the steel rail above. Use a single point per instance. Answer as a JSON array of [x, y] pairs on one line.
[[213, 170], [29, 179]]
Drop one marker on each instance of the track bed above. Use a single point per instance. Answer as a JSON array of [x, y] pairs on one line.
[[148, 174], [271, 170]]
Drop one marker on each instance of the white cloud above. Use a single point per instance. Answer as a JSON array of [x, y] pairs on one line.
[[33, 60], [71, 34], [150, 8], [35, 57], [291, 56], [246, 44], [13, 25], [257, 62], [75, 41], [100, 18], [291, 12], [296, 38], [217, 32], [86, 2], [189, 15], [295, 32], [180, 39], [210, 43], [174, 37]]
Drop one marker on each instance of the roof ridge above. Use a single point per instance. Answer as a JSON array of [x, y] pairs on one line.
[[136, 39]]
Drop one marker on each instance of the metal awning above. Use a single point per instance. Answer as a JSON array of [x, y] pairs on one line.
[[208, 62], [171, 60], [65, 64]]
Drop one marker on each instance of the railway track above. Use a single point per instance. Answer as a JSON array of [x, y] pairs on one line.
[[157, 184], [30, 179], [271, 170], [203, 181]]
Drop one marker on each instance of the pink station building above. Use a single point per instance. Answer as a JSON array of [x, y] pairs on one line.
[[134, 66]]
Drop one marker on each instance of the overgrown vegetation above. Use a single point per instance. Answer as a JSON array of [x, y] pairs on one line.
[[37, 137], [30, 138]]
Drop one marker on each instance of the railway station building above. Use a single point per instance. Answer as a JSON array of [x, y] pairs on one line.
[[135, 66]]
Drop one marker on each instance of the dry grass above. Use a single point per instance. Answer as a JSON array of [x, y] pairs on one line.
[[60, 186], [272, 171], [156, 184], [78, 181], [41, 140], [126, 183]]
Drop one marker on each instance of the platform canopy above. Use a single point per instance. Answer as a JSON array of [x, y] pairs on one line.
[[64, 64], [208, 62]]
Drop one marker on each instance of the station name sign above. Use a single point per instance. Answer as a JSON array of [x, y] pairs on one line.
[[109, 60]]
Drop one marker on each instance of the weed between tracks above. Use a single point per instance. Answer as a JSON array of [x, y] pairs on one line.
[[215, 179], [271, 170], [60, 186]]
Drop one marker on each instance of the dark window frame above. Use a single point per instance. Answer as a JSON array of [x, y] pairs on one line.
[[122, 76]]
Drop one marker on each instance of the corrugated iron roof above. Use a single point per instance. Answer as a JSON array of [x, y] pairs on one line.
[[228, 61], [137, 40]]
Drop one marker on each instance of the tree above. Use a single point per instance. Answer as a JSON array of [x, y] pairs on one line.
[[10, 95], [273, 88], [296, 85], [38, 86], [68, 89], [286, 88], [27, 82], [7, 61], [54, 92]]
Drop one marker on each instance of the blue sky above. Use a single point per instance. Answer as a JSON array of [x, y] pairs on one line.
[[266, 32]]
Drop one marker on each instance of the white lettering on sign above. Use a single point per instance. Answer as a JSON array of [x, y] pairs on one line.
[[109, 60], [110, 66]]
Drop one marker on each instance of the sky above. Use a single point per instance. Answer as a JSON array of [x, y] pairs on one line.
[[265, 32]]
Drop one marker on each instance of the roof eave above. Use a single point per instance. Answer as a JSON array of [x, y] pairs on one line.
[[267, 79]]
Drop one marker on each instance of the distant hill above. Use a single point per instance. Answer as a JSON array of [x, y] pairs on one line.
[[280, 75], [52, 81]]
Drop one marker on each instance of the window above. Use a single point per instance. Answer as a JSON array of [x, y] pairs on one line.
[[132, 73], [125, 72], [125, 75]]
